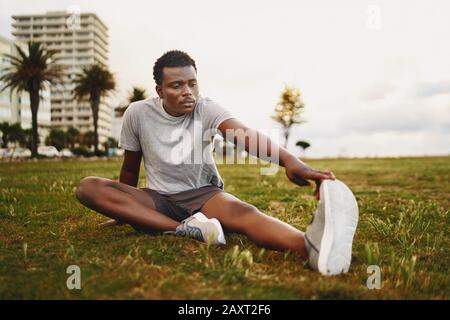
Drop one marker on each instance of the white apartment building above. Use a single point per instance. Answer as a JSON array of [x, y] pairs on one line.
[[16, 107], [78, 41]]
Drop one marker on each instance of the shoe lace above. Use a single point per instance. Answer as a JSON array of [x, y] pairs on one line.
[[312, 218], [185, 230]]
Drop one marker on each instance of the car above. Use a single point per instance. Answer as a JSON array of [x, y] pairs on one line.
[[20, 153], [3, 153], [65, 153], [115, 152], [48, 151]]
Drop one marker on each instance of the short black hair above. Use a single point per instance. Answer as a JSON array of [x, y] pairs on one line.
[[171, 59]]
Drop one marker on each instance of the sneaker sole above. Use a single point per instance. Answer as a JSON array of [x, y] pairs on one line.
[[340, 226], [221, 236]]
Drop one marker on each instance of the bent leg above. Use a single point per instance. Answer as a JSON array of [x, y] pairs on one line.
[[238, 216], [123, 203]]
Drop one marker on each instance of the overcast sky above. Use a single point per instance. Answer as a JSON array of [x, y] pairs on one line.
[[374, 75]]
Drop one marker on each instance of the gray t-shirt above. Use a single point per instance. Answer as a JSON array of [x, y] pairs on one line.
[[177, 151]]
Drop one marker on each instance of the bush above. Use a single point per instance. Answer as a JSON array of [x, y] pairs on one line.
[[82, 152], [101, 153]]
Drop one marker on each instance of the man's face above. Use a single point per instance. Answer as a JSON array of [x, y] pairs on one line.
[[178, 90]]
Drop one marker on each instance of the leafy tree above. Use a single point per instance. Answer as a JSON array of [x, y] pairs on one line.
[[16, 134], [303, 145], [288, 110], [5, 128], [72, 137], [56, 138], [88, 139], [27, 141]]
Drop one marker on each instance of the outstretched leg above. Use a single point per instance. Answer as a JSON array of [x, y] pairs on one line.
[[238, 216], [123, 203]]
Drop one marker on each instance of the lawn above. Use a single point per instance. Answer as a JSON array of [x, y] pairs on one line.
[[403, 228]]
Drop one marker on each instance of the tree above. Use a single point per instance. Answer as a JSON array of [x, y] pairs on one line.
[[5, 128], [56, 138], [88, 139], [135, 95], [72, 137], [110, 143], [31, 72], [16, 134], [94, 82], [303, 144], [288, 110], [27, 141]]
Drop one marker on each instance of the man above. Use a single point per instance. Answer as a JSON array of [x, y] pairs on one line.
[[185, 196]]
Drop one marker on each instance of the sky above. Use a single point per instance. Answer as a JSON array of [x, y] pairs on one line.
[[374, 75]]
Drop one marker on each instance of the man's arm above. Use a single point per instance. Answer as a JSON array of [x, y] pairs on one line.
[[129, 174], [256, 138], [296, 170]]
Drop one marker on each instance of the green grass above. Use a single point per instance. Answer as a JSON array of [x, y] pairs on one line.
[[404, 228]]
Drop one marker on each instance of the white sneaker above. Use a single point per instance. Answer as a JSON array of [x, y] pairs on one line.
[[329, 237], [199, 227]]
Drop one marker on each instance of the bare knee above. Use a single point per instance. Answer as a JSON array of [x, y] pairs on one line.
[[87, 188], [245, 216]]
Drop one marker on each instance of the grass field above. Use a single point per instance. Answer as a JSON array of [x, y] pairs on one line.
[[403, 228]]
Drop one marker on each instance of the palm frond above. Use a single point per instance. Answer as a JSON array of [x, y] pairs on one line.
[[93, 82], [32, 70]]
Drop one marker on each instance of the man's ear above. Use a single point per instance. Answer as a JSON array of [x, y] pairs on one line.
[[159, 91]]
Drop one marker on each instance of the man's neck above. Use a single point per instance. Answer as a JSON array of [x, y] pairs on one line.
[[173, 115]]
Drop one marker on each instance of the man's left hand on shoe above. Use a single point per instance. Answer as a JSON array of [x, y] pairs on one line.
[[299, 174]]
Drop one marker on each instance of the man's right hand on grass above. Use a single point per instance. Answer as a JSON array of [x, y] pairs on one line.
[[111, 223]]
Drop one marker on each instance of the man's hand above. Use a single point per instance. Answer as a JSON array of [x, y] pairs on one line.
[[111, 223], [299, 174]]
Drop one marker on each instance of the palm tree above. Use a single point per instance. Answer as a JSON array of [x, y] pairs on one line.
[[94, 82], [31, 72], [135, 95]]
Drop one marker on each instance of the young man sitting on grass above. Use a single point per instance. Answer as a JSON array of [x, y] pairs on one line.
[[185, 197]]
